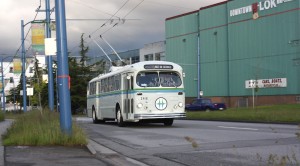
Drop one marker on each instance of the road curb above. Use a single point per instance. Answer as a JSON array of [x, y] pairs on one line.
[[91, 149], [111, 156]]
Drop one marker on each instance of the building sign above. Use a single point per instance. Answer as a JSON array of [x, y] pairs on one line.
[[259, 6], [38, 36], [266, 83]]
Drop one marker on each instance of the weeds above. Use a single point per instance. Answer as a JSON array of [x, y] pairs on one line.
[[37, 128], [191, 140], [1, 116]]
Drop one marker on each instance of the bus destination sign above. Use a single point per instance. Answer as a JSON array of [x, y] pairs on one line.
[[158, 66]]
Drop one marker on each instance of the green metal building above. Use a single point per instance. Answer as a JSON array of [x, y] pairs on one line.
[[239, 49]]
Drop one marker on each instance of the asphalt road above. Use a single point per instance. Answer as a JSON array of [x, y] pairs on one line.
[[195, 143]]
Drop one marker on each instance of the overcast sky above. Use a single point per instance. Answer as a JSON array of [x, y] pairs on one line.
[[144, 22]]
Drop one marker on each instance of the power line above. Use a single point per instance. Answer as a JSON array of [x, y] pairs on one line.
[[133, 9], [109, 18], [16, 53], [29, 28], [94, 8], [166, 4], [124, 17]]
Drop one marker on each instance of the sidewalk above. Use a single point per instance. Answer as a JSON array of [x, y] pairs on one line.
[[92, 154], [3, 127]]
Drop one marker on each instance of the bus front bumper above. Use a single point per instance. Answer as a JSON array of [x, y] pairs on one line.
[[159, 116]]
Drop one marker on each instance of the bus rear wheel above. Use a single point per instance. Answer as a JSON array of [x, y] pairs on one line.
[[168, 122], [120, 121]]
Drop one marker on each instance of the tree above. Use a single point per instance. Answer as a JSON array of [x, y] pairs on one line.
[[80, 74]]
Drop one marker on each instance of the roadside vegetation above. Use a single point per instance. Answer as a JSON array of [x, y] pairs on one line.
[[289, 113], [2, 117], [37, 128]]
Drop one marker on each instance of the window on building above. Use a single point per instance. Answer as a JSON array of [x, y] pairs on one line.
[[162, 56], [11, 80], [157, 56], [31, 70], [148, 57], [135, 59]]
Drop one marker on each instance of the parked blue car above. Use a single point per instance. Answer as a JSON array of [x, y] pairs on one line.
[[204, 104]]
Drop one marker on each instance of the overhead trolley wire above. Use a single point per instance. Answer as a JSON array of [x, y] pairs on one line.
[[109, 18], [76, 1], [124, 17]]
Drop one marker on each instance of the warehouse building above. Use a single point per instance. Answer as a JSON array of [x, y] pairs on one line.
[[239, 51]]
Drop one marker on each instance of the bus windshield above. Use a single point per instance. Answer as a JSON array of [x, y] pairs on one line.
[[156, 79]]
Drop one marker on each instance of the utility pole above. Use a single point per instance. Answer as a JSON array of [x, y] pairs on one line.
[[3, 86], [23, 67], [49, 61], [63, 77]]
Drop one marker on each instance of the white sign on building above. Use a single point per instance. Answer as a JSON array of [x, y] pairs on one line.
[[266, 83]]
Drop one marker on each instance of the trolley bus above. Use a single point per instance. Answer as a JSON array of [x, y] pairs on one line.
[[150, 91]]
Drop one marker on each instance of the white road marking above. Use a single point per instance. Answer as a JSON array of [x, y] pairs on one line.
[[238, 128]]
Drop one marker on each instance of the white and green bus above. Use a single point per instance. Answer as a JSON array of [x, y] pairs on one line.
[[150, 91]]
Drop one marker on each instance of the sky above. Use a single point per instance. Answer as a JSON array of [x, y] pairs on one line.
[[125, 24]]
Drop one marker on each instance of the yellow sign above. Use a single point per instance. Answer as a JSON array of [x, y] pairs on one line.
[[38, 36], [17, 66]]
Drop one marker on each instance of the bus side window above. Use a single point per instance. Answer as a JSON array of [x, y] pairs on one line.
[[105, 85], [131, 82], [117, 82], [109, 87], [102, 86], [99, 86]]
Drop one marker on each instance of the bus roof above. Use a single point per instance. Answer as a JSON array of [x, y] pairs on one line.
[[145, 65]]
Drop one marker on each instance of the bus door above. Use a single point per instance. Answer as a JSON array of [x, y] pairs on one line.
[[97, 103], [128, 96]]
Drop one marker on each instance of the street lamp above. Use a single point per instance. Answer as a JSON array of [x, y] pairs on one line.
[[24, 61]]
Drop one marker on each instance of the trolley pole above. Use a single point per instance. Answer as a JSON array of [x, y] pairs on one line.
[[63, 68]]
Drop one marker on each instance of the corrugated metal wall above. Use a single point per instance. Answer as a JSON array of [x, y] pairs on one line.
[[214, 51], [234, 49], [181, 46]]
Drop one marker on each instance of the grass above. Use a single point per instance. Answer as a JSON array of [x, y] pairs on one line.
[[37, 128], [289, 113], [2, 117]]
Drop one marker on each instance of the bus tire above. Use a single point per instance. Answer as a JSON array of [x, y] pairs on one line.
[[119, 117], [168, 122], [95, 119]]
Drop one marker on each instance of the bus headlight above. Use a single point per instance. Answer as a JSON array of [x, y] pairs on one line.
[[140, 105], [180, 104]]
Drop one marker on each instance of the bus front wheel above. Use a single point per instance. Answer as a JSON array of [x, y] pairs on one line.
[[168, 122], [95, 119], [120, 121]]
